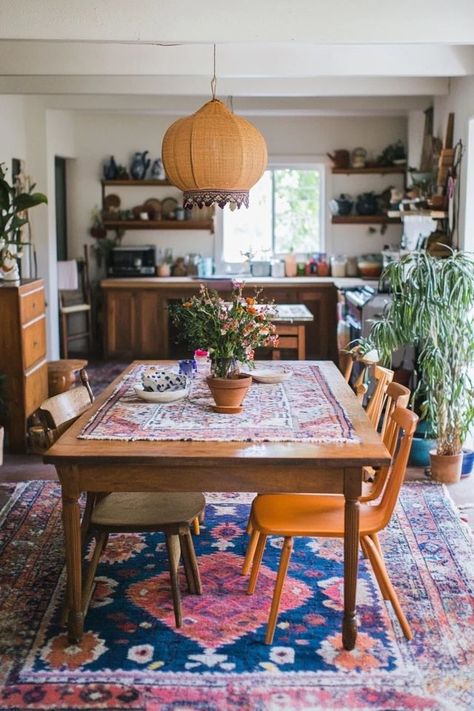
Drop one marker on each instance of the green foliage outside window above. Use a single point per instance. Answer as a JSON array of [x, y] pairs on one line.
[[296, 210]]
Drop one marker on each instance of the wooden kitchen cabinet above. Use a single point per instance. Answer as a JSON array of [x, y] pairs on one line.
[[134, 324], [22, 356], [321, 335], [137, 326]]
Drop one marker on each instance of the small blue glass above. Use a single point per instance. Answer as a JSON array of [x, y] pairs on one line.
[[188, 367]]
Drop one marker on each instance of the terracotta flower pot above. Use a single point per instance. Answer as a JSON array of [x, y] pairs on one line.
[[446, 467], [229, 393]]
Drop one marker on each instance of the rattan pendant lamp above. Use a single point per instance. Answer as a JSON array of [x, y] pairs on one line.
[[214, 156]]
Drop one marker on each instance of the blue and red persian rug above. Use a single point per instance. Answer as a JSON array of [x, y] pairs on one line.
[[132, 657]]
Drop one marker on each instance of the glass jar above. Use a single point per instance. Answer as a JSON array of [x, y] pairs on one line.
[[338, 265]]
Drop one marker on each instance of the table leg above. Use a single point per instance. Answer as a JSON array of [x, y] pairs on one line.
[[352, 490], [72, 543]]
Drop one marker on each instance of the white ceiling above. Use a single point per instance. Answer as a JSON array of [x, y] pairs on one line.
[[298, 51]]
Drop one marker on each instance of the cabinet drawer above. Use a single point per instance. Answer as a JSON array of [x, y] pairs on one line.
[[36, 388], [33, 342], [31, 305]]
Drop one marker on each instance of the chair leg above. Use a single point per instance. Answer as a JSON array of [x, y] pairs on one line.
[[257, 559], [174, 554], [190, 561], [251, 546], [379, 578], [380, 570], [64, 335], [376, 541], [249, 528], [196, 526], [282, 570], [202, 515], [187, 565]]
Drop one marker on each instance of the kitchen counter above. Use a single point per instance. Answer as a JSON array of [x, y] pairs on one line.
[[137, 323], [167, 282]]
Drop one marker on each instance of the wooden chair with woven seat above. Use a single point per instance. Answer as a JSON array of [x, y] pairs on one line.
[[315, 515], [130, 512]]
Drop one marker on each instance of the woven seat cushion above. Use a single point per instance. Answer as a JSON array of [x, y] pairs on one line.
[[149, 509]]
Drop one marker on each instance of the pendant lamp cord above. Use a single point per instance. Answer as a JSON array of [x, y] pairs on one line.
[[214, 78]]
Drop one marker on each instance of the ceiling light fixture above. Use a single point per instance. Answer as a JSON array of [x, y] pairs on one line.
[[214, 156]]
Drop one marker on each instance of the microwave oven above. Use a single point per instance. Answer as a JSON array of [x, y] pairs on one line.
[[132, 261]]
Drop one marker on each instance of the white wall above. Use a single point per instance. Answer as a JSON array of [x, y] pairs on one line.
[[460, 100], [98, 135], [12, 130], [48, 133]]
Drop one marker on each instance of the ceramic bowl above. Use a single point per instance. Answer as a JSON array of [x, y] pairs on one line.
[[161, 397], [270, 375], [160, 381]]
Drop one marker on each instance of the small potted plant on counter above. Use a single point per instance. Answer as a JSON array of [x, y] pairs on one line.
[[432, 308], [230, 330]]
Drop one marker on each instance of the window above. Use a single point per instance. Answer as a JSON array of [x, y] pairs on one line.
[[284, 214]]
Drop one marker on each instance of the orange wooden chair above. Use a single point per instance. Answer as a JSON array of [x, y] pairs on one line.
[[397, 395], [316, 515], [383, 377]]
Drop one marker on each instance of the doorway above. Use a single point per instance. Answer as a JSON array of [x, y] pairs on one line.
[[61, 208]]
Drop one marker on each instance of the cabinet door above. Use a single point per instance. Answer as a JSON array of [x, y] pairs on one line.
[[321, 335], [120, 331], [150, 317]]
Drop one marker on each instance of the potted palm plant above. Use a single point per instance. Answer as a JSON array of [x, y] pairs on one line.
[[432, 308], [230, 330], [14, 206]]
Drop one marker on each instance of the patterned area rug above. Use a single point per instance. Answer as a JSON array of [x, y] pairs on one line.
[[132, 656]]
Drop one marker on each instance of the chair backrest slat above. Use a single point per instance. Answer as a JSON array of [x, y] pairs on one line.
[[405, 420], [60, 411], [382, 376]]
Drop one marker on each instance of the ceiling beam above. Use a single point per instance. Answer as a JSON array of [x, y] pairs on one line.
[[234, 60], [200, 86]]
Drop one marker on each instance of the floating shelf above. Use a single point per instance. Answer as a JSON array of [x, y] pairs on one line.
[[379, 170], [435, 214], [159, 225], [136, 182], [364, 220]]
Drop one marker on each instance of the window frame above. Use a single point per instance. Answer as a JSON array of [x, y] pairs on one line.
[[317, 163]]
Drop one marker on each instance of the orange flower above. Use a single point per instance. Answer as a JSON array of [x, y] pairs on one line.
[[252, 310], [250, 300], [187, 304]]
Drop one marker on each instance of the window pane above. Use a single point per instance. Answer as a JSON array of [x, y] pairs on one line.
[[250, 230], [297, 204]]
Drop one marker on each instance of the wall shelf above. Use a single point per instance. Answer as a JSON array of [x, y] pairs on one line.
[[376, 170], [137, 183], [364, 220], [159, 225]]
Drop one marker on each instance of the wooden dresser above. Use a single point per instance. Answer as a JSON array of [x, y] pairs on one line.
[[22, 355]]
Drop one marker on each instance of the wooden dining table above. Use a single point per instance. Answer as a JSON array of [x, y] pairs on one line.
[[87, 465]]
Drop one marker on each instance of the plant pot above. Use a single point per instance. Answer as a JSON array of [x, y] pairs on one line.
[[420, 451], [467, 462], [446, 467], [229, 393]]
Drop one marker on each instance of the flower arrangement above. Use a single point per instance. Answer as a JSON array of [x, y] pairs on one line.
[[230, 330]]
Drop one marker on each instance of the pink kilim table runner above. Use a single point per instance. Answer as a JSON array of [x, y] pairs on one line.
[[302, 409]]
